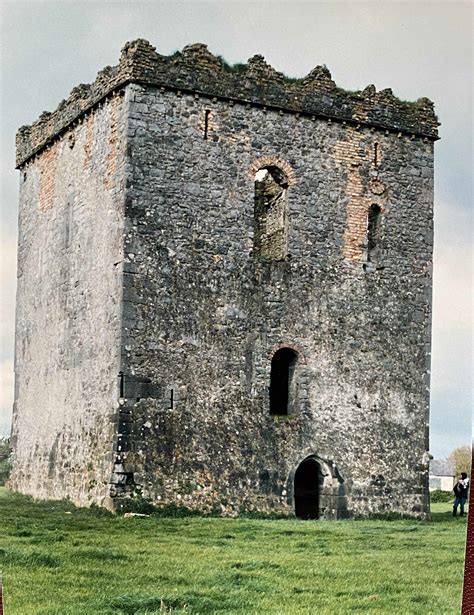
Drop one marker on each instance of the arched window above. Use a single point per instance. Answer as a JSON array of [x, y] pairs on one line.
[[271, 213], [373, 230], [283, 382]]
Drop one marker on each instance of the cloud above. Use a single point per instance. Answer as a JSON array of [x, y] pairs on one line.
[[452, 341], [7, 328], [6, 395], [7, 295], [453, 272]]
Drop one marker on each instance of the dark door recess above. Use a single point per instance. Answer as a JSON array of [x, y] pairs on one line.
[[308, 482]]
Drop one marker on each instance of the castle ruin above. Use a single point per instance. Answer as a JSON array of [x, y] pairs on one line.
[[224, 291]]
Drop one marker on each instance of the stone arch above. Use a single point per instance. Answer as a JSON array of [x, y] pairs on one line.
[[332, 490], [273, 161], [295, 347]]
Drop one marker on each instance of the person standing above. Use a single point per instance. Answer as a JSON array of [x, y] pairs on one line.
[[460, 489]]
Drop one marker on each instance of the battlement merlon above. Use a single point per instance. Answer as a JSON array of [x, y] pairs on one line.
[[197, 70]]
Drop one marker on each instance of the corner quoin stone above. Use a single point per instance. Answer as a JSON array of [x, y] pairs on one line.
[[153, 333]]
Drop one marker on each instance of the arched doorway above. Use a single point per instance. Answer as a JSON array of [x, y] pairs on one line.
[[307, 487]]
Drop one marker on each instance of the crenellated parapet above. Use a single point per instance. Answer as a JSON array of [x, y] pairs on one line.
[[197, 70]]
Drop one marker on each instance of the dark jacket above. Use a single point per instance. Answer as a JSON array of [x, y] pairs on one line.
[[460, 490]]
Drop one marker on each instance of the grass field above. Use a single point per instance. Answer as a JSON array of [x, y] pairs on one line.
[[60, 560]]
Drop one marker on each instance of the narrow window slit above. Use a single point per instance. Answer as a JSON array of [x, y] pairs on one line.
[[206, 123], [373, 230]]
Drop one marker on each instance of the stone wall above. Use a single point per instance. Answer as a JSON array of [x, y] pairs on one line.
[[67, 354], [157, 282], [204, 314], [195, 69]]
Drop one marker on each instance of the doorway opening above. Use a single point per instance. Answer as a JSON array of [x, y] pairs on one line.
[[307, 489]]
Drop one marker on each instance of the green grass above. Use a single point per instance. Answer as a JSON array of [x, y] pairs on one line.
[[92, 562]]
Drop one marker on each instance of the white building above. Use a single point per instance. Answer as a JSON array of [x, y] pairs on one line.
[[442, 474]]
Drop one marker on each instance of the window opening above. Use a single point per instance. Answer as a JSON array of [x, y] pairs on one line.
[[282, 381], [271, 214], [68, 225], [207, 113], [121, 384], [373, 230]]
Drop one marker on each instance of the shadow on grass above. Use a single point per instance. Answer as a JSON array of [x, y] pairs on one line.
[[187, 602], [446, 517], [18, 506], [14, 557]]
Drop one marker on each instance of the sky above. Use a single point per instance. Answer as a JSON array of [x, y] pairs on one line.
[[416, 48]]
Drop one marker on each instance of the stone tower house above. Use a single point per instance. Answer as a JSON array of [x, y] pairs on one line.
[[224, 291]]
